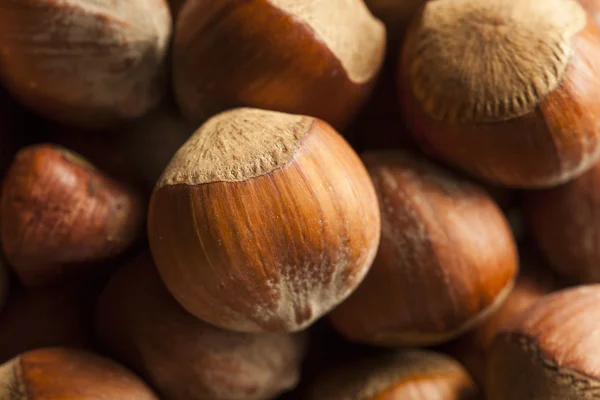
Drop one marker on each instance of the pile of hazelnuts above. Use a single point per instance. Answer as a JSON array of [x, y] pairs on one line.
[[300, 199]]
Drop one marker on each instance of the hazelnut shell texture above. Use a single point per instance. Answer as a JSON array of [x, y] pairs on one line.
[[184, 357], [550, 351], [446, 260], [503, 89], [59, 373], [263, 221], [317, 58], [90, 63], [406, 375], [59, 213]]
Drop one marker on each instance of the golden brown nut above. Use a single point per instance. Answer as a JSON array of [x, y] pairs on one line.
[[504, 89], [88, 62], [263, 221], [447, 258], [59, 373], [535, 281], [317, 58], [183, 357], [405, 375], [566, 225], [550, 352], [58, 212], [48, 317]]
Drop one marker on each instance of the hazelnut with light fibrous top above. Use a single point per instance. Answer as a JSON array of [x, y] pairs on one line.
[[406, 375], [503, 89], [317, 58], [263, 221], [183, 357], [60, 373], [535, 281], [550, 352], [565, 222], [90, 63], [58, 213], [447, 258]]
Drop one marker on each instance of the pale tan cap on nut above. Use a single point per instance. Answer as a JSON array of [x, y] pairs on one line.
[[490, 60], [237, 145], [348, 29]]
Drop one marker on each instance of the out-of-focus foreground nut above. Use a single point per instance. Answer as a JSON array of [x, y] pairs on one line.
[[550, 352], [183, 357], [263, 221], [406, 375], [447, 258], [58, 212], [59, 373], [88, 62], [317, 58]]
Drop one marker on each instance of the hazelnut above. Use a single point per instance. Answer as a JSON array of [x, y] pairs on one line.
[[447, 258], [504, 89], [406, 375], [565, 223], [550, 351], [263, 221], [534, 282], [58, 212], [183, 357], [51, 316], [317, 58], [59, 373], [90, 63]]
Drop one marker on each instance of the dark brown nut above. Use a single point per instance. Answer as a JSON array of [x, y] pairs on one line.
[[263, 221], [447, 258], [91, 63], [48, 317], [183, 357], [59, 373], [317, 58], [59, 213], [550, 352], [505, 90], [566, 225], [406, 375]]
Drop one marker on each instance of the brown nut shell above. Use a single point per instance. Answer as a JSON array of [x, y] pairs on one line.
[[550, 352], [183, 357], [503, 89], [446, 259], [263, 221], [90, 63], [58, 212], [59, 373], [535, 281], [406, 375], [317, 58], [565, 222]]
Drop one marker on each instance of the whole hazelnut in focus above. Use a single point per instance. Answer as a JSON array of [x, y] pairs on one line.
[[535, 281], [550, 352], [59, 315], [318, 58], [263, 221], [406, 375], [183, 357], [447, 258], [58, 213], [565, 222], [60, 373], [505, 90], [90, 63]]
